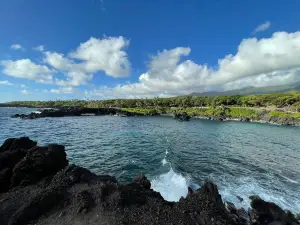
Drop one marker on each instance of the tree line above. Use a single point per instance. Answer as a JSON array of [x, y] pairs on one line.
[[279, 100]]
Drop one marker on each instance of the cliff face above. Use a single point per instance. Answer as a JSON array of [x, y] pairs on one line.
[[38, 186]]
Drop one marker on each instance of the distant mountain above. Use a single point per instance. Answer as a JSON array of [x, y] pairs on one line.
[[253, 90]]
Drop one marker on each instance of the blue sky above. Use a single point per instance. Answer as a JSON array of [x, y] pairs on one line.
[[98, 49]]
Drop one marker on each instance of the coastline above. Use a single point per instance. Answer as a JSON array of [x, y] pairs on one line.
[[60, 193], [221, 114]]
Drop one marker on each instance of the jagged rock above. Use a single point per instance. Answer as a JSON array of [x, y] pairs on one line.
[[11, 152], [267, 212], [5, 175], [211, 191], [143, 181], [38, 163], [9, 159], [230, 207], [59, 194], [37, 206], [242, 214], [85, 201], [15, 144], [74, 174]]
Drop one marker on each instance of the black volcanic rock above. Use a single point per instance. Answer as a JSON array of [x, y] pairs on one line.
[[5, 176], [15, 144], [263, 212], [38, 163], [143, 181], [182, 116], [43, 189]]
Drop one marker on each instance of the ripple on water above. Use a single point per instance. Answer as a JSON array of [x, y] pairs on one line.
[[242, 158]]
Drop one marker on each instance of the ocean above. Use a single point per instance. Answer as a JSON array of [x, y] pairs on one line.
[[243, 159]]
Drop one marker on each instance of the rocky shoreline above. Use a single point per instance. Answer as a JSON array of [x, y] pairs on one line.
[[76, 111], [38, 186]]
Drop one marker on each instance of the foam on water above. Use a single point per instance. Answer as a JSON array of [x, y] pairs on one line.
[[171, 185], [164, 161], [247, 186]]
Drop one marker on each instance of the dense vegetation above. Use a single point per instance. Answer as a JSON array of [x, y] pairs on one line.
[[290, 100]]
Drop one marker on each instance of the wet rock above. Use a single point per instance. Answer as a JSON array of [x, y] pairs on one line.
[[143, 181], [211, 191], [240, 198], [190, 191], [38, 163], [267, 212], [242, 214], [230, 207]]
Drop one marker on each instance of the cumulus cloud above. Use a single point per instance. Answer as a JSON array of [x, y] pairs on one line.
[[39, 48], [104, 54], [27, 69], [262, 27], [266, 61], [5, 82], [24, 92], [77, 67], [17, 47]]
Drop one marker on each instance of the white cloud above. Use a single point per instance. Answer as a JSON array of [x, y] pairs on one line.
[[17, 47], [262, 27], [27, 69], [5, 82], [91, 57], [104, 54], [63, 90], [24, 92], [78, 67], [263, 62], [39, 48]]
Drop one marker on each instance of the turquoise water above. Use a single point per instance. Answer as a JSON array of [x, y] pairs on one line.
[[242, 158]]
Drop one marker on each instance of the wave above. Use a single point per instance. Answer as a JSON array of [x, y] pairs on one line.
[[171, 186], [290, 180], [247, 186]]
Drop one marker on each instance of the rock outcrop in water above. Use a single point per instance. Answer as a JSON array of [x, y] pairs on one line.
[[74, 111], [182, 116], [38, 186]]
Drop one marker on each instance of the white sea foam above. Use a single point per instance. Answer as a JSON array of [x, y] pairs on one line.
[[164, 161], [247, 186], [171, 185], [290, 180]]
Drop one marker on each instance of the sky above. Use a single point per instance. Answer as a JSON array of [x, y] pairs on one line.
[[104, 49]]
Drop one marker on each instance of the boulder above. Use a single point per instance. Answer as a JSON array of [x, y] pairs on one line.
[[143, 181], [231, 207], [267, 212], [73, 174], [15, 144], [39, 163], [211, 191]]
